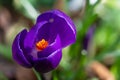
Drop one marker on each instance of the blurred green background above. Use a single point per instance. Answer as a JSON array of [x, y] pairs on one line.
[[94, 56]]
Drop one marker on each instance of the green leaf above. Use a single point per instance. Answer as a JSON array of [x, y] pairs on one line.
[[5, 50]]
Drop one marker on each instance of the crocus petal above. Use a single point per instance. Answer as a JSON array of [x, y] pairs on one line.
[[44, 32], [49, 63], [31, 36], [51, 48], [17, 49], [61, 24]]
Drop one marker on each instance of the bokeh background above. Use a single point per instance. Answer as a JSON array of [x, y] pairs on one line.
[[94, 56]]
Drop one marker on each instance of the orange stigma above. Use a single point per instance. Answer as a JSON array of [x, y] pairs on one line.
[[40, 45]]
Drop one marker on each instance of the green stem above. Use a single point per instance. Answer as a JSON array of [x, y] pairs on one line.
[[37, 74]]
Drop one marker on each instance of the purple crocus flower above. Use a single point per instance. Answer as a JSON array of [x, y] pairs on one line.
[[41, 47]]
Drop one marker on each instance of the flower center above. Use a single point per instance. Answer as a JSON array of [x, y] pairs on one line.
[[42, 44]]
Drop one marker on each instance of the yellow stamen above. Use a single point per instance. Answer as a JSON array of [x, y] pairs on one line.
[[40, 45]]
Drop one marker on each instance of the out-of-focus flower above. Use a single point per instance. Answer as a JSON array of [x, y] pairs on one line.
[[88, 36], [41, 47], [76, 5]]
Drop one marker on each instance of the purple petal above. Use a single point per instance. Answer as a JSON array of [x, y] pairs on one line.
[[44, 32], [49, 63], [17, 49], [31, 36], [51, 48], [58, 23]]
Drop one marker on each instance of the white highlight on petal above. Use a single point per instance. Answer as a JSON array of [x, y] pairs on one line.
[[51, 20]]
